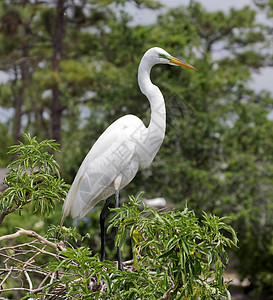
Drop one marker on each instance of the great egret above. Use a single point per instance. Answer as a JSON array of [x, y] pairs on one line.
[[123, 148]]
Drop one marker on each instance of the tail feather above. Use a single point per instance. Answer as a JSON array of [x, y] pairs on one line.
[[67, 205]]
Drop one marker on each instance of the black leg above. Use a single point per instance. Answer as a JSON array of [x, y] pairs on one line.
[[120, 267], [102, 227]]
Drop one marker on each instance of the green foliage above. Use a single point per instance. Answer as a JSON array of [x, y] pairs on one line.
[[5, 141], [81, 267], [66, 233], [174, 254], [33, 177], [178, 246]]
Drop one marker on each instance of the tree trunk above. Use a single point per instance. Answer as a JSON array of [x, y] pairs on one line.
[[18, 116], [57, 106], [21, 73]]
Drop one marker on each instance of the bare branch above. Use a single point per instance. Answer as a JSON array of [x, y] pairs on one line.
[[166, 295], [46, 252], [15, 289], [30, 260], [41, 285], [14, 259], [16, 269], [5, 278], [33, 234], [28, 280]]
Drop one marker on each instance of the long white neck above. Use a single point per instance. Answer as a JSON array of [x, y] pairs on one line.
[[156, 129]]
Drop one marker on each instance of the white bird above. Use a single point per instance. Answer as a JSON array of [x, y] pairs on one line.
[[124, 147], [158, 202]]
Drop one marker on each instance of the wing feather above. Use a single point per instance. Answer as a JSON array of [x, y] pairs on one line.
[[108, 157], [96, 183]]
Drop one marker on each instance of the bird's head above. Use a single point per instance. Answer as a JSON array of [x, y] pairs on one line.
[[157, 55]]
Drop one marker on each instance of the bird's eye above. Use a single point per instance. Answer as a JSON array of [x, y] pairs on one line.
[[161, 55]]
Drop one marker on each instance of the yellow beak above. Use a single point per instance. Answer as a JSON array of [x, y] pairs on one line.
[[178, 62]]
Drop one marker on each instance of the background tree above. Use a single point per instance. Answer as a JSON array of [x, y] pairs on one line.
[[50, 53]]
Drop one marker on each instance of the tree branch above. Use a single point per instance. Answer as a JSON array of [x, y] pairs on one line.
[[33, 234], [166, 295], [28, 280], [6, 212], [5, 278]]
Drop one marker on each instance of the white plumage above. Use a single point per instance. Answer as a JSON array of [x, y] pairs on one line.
[[124, 147]]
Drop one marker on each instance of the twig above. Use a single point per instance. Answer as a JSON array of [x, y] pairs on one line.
[[6, 277], [41, 285], [6, 212], [20, 246], [45, 252], [33, 234], [15, 259], [31, 259], [28, 280], [15, 289], [166, 295], [52, 277], [15, 269]]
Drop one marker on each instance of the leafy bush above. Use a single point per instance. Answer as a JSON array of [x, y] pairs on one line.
[[175, 255], [33, 177]]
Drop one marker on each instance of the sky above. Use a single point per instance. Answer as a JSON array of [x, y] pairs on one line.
[[147, 16]]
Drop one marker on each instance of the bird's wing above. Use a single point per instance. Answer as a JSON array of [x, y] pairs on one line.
[[106, 160], [100, 175]]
